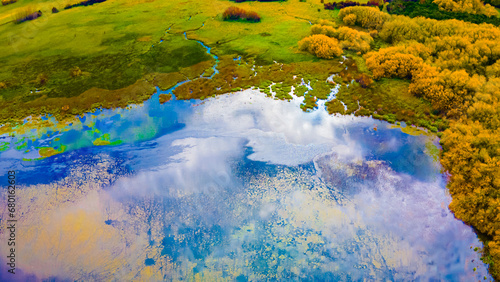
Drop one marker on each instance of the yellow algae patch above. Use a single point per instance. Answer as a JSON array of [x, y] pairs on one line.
[[46, 152], [411, 130], [35, 128], [64, 233], [149, 273], [100, 142], [432, 150], [56, 239], [4, 129]]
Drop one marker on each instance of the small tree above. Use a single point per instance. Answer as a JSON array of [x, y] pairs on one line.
[[233, 13], [252, 17]]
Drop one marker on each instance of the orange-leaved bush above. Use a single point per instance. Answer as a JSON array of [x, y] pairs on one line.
[[235, 13]]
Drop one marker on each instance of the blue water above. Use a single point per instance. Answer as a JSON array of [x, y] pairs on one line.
[[246, 187]]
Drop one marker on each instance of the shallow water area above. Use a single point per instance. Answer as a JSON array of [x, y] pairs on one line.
[[237, 187]]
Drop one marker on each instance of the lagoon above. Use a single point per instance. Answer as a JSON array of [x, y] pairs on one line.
[[237, 187]]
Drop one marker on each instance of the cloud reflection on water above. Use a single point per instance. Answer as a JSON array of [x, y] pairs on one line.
[[255, 188]]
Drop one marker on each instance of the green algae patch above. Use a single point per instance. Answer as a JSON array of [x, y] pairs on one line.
[[4, 146], [104, 140], [432, 150], [410, 130], [22, 146]]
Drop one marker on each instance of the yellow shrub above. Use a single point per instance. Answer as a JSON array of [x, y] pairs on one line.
[[349, 38], [350, 19], [327, 22], [323, 29], [467, 6], [493, 70], [7, 2], [368, 17], [354, 40], [392, 62], [447, 89], [321, 46]]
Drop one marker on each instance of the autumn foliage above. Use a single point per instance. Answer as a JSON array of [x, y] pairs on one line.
[[391, 62], [26, 14], [7, 2], [454, 65], [429, 9], [352, 39], [321, 46], [367, 17], [344, 4], [83, 3], [349, 38], [235, 13], [467, 6]]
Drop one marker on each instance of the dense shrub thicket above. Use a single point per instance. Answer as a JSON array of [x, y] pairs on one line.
[[235, 13], [344, 4], [349, 38], [327, 41], [494, 3], [456, 66], [240, 1], [7, 2], [467, 6], [27, 14], [83, 3], [431, 10]]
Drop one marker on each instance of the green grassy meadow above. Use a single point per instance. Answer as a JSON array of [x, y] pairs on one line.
[[122, 49], [116, 43]]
